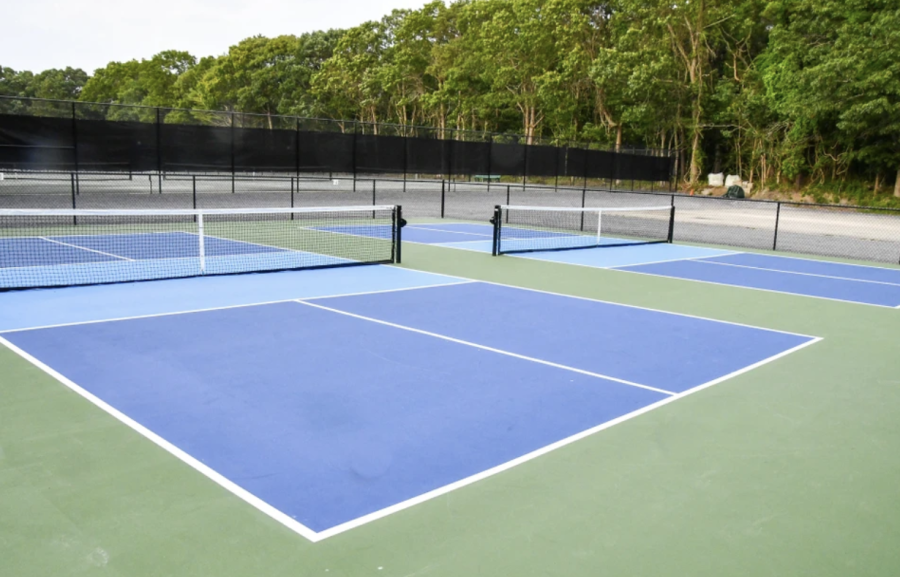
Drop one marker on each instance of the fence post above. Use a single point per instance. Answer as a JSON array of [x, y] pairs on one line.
[[296, 152], [74, 140], [777, 220], [507, 202], [443, 190], [490, 159], [525, 166], [159, 164], [353, 153], [232, 152], [583, 195], [74, 218], [292, 193], [194, 189]]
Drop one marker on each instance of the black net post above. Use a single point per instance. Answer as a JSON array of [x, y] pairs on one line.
[[443, 195], [777, 219], [671, 225], [398, 234], [495, 244]]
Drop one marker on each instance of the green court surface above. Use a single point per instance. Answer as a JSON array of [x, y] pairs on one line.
[[789, 469]]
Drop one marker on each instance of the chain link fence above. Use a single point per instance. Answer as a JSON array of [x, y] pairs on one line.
[[862, 233]]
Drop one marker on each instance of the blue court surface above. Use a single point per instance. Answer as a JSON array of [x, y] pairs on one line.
[[331, 411], [829, 280], [50, 260]]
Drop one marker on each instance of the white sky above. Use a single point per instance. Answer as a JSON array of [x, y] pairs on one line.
[[41, 34]]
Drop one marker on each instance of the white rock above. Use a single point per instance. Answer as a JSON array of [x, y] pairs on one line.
[[716, 179], [733, 180]]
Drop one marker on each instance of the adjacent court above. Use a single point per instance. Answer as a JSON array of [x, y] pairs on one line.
[[450, 382], [863, 284]]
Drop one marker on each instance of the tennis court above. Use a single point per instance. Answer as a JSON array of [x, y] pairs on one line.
[[873, 285], [459, 413]]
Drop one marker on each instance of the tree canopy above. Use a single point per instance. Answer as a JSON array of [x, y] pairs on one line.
[[778, 91]]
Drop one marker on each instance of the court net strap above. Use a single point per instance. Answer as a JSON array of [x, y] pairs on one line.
[[590, 210], [191, 212]]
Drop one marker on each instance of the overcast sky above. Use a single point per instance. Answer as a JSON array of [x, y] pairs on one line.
[[41, 34]]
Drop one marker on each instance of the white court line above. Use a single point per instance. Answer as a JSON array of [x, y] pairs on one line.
[[485, 348], [589, 299], [633, 264], [624, 268], [897, 270], [210, 473], [790, 272], [804, 295], [84, 248], [226, 307], [543, 450], [316, 537]]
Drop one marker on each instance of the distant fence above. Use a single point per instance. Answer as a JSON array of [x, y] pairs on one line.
[[829, 230], [67, 136]]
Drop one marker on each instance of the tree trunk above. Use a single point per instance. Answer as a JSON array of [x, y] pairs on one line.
[[618, 137], [695, 157], [897, 184]]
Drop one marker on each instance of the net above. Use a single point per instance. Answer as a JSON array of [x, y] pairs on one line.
[[542, 228], [52, 248]]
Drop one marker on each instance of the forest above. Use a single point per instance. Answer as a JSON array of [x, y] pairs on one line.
[[801, 98]]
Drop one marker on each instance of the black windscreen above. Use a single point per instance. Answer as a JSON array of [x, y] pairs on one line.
[[263, 150], [36, 142], [197, 148], [470, 157], [116, 146], [600, 164], [541, 161], [507, 159], [325, 151], [426, 155], [380, 153]]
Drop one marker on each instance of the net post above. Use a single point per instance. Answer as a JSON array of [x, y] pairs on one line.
[[443, 194], [398, 228], [671, 237], [599, 227], [495, 245], [777, 219], [202, 244]]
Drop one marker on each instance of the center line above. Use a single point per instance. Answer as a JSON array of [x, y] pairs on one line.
[[491, 349]]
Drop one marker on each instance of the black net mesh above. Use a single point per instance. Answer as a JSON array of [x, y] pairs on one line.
[[529, 229], [69, 247]]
